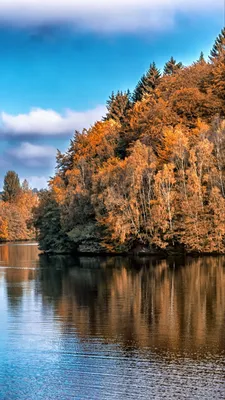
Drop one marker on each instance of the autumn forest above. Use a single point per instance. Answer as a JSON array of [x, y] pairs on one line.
[[148, 177]]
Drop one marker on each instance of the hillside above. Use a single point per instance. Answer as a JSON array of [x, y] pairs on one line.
[[151, 174]]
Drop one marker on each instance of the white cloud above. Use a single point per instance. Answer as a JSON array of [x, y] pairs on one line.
[[48, 122], [39, 182], [103, 15], [28, 150], [33, 155]]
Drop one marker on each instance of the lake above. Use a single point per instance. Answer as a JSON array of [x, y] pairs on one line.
[[110, 327]]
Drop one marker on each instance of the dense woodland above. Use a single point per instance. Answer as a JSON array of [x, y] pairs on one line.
[[151, 174], [16, 209]]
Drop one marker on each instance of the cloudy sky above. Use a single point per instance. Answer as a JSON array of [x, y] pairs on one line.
[[60, 60]]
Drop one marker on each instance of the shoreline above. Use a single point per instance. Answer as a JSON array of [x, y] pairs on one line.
[[159, 254], [131, 253]]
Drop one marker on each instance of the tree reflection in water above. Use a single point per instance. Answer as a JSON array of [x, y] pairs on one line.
[[166, 305]]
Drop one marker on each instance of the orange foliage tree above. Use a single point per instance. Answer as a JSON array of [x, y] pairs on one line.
[[16, 216]]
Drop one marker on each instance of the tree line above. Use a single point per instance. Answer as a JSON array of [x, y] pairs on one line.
[[151, 173], [17, 202]]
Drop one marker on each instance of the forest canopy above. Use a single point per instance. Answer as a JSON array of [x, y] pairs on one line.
[[151, 174]]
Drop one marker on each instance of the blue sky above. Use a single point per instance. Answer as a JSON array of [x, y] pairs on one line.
[[61, 60]]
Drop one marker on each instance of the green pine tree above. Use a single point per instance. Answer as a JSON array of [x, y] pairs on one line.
[[117, 106], [201, 59], [172, 66], [47, 221], [218, 47], [147, 83], [11, 187], [139, 90]]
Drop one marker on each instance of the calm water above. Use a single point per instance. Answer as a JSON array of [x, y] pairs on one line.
[[110, 328]]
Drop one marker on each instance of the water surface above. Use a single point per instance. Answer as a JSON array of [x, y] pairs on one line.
[[110, 327]]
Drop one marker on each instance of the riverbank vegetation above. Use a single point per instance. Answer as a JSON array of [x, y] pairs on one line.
[[151, 174], [16, 207]]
